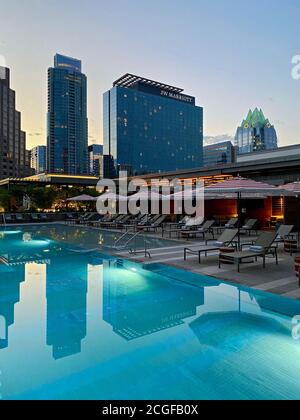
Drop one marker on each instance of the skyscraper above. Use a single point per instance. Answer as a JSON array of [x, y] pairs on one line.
[[95, 159], [218, 154], [38, 159], [151, 127], [12, 138], [256, 133], [67, 125]]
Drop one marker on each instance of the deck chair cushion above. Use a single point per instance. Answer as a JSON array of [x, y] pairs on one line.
[[219, 243], [255, 248]]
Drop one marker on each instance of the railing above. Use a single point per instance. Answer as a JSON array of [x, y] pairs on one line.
[[129, 239], [135, 251], [115, 245]]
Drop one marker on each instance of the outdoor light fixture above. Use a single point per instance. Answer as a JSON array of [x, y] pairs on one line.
[[27, 237]]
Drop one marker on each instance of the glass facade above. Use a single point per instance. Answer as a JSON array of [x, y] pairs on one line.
[[95, 159], [150, 130], [12, 138], [255, 134], [38, 159], [218, 154], [67, 124]]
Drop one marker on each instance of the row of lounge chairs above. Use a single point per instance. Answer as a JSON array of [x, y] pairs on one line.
[[265, 245], [127, 222], [193, 227], [25, 218]]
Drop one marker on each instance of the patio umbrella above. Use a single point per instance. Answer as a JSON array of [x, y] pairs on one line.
[[111, 196], [243, 187], [146, 196], [186, 193], [211, 195], [294, 189], [83, 197]]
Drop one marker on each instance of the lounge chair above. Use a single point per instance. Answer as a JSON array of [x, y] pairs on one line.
[[101, 219], [139, 220], [249, 226], [117, 220], [86, 218], [173, 225], [231, 224], [154, 225], [20, 218], [108, 221], [226, 239], [262, 247], [123, 221], [71, 218], [149, 221], [283, 232], [44, 217], [9, 218], [206, 228], [95, 219], [35, 217], [191, 223]]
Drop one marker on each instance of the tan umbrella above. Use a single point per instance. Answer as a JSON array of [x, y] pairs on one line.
[[111, 196], [83, 197]]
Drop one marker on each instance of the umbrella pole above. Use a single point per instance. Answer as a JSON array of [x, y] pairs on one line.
[[298, 222], [239, 219]]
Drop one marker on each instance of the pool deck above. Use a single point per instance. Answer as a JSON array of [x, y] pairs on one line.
[[278, 279]]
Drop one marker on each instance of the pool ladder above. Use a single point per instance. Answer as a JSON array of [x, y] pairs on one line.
[[132, 239]]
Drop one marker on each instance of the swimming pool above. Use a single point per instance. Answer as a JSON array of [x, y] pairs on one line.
[[87, 237], [89, 326]]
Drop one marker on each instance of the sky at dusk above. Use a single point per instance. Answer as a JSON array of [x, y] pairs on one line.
[[231, 54]]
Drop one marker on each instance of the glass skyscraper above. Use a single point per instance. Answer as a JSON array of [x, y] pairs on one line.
[[255, 134], [218, 154], [95, 159], [12, 139], [67, 125], [151, 127], [38, 158]]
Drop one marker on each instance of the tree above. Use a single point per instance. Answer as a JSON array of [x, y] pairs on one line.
[[5, 199], [42, 198]]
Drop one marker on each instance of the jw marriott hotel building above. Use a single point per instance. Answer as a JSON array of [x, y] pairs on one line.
[[151, 127]]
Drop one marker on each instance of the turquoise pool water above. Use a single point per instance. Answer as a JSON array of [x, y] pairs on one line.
[[89, 238], [88, 326]]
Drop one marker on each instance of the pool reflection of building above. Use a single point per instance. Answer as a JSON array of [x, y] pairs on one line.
[[10, 281], [66, 292], [133, 306]]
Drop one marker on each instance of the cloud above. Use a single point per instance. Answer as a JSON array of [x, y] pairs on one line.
[[35, 134], [217, 139], [279, 122]]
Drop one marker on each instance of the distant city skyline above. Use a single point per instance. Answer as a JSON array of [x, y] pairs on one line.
[[230, 60]]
